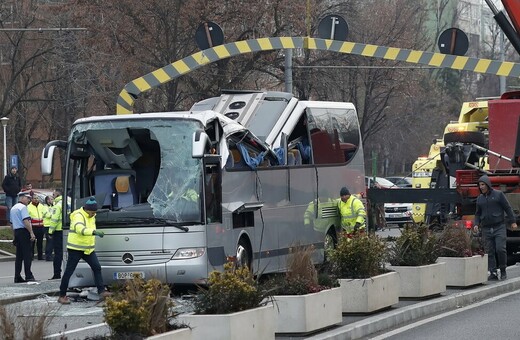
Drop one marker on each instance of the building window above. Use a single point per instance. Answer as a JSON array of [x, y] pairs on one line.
[[8, 12]]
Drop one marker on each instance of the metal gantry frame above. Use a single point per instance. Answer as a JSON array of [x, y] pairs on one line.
[[154, 79]]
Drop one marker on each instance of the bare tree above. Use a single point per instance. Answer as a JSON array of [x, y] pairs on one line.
[[23, 77]]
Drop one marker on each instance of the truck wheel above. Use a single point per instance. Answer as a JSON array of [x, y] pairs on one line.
[[468, 137]]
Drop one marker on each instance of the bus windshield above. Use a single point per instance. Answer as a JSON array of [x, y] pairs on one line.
[[139, 168]]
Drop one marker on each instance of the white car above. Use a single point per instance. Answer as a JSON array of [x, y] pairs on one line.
[[395, 213], [401, 182], [379, 183], [398, 213]]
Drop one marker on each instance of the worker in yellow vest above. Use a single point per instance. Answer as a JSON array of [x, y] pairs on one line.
[[56, 232], [36, 211], [81, 243], [352, 212]]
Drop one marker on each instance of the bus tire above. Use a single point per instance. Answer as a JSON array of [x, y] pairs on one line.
[[244, 253], [331, 240]]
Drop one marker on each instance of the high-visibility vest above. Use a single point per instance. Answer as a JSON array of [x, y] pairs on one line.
[[352, 211], [36, 212], [82, 227], [56, 224], [47, 215]]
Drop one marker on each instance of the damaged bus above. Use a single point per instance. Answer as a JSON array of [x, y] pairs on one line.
[[244, 176]]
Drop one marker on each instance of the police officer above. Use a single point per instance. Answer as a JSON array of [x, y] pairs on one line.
[[23, 238], [352, 212], [81, 242]]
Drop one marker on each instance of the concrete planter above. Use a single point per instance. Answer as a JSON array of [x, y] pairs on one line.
[[252, 324], [465, 271], [369, 295], [178, 334], [309, 312], [422, 281]]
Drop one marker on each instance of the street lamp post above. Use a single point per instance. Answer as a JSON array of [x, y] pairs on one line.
[[4, 121]]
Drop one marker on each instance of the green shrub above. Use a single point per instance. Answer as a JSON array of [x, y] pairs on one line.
[[416, 246], [301, 276], [456, 241], [230, 291], [140, 308], [358, 256]]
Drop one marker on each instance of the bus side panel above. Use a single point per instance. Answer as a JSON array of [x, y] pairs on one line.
[[289, 222]]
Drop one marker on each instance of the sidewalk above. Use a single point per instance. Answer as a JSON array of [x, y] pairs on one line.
[[352, 326]]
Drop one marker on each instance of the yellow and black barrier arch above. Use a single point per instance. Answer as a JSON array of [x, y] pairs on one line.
[[133, 89]]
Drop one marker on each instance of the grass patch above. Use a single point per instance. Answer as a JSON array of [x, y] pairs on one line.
[[7, 234]]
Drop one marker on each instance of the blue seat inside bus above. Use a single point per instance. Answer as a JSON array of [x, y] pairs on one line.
[[124, 191], [104, 182]]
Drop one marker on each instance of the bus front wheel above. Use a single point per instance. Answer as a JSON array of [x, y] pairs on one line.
[[243, 253], [330, 241]]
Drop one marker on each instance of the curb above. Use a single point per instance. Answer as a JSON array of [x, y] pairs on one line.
[[405, 315], [21, 298], [7, 258]]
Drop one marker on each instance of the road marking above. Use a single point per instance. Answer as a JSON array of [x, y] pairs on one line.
[[61, 334], [441, 316]]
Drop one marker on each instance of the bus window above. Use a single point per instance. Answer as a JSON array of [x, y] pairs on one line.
[[335, 137], [298, 147]]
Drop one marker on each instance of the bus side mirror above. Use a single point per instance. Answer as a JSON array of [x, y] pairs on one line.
[[200, 141], [48, 156]]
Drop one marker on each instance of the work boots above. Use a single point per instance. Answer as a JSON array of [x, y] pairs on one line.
[[503, 274], [64, 300]]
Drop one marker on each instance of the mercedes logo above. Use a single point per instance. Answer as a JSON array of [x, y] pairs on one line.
[[128, 258]]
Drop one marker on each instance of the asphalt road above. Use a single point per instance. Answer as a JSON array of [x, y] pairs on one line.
[[42, 270], [494, 318]]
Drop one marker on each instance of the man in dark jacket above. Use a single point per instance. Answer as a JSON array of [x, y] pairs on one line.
[[12, 185], [491, 206]]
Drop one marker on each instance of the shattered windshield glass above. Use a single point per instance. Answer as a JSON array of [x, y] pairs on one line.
[[156, 156]]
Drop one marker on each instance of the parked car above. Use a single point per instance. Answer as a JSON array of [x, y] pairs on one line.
[[395, 213], [379, 183], [401, 182], [40, 193], [398, 213]]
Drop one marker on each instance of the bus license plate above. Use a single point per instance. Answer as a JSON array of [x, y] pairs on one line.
[[128, 275]]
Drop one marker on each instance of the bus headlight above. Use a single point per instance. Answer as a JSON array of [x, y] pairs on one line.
[[188, 253]]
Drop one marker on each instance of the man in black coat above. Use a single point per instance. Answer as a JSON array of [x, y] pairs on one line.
[[12, 185], [491, 207]]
